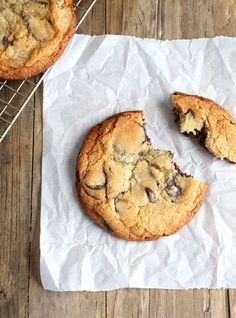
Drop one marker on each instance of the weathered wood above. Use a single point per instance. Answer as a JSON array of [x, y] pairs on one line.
[[133, 17], [186, 19], [188, 304], [128, 303], [232, 303], [15, 206], [224, 17]]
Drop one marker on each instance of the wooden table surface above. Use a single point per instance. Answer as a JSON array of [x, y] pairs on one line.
[[21, 294]]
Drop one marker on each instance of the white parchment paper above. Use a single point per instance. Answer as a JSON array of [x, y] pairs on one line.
[[95, 78]]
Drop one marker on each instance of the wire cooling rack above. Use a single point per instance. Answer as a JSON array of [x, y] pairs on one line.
[[21, 91]]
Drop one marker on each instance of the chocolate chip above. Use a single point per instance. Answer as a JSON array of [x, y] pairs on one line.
[[173, 192], [200, 135], [172, 189], [7, 42], [151, 195], [170, 181]]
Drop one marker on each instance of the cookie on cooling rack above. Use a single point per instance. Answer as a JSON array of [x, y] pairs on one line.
[[212, 124], [33, 34], [135, 192]]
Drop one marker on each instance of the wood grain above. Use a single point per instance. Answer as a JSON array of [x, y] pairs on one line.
[[128, 303], [21, 293], [15, 205]]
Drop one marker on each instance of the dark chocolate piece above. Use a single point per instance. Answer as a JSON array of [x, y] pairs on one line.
[[151, 195]]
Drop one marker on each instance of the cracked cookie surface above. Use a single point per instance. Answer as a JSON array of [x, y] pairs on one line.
[[33, 34], [130, 189], [211, 123]]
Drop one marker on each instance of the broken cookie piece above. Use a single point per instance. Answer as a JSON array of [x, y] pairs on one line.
[[130, 189], [212, 124]]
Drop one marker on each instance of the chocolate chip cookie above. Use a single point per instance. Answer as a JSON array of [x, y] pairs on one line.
[[130, 189], [33, 34], [212, 124]]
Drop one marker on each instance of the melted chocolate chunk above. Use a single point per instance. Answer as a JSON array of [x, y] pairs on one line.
[[151, 195], [7, 42], [200, 135], [170, 181], [172, 189]]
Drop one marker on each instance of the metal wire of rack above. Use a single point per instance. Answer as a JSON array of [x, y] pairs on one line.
[[25, 89]]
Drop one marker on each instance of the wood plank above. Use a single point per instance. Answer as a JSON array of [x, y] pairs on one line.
[[95, 22], [169, 303], [15, 205], [232, 303], [188, 304], [133, 17], [186, 19], [44, 303], [128, 303], [224, 17]]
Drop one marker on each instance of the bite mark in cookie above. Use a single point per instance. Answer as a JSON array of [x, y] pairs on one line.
[[137, 190]]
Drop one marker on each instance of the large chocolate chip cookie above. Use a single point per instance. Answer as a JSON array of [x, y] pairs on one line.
[[135, 192]]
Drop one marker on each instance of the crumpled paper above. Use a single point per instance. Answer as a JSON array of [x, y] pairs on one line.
[[95, 78]]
